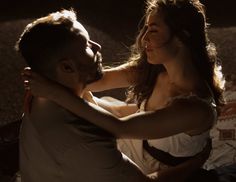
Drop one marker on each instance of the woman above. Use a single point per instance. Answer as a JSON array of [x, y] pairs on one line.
[[171, 74]]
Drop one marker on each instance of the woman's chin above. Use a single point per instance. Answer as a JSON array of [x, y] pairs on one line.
[[150, 61]]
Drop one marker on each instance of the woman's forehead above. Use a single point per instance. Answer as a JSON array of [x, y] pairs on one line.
[[155, 17]]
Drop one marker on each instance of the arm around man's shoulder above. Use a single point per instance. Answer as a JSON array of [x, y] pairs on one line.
[[183, 114]]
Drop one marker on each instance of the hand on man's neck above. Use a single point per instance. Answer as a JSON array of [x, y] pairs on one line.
[[88, 96]]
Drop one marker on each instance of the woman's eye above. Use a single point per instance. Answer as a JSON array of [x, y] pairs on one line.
[[152, 31]]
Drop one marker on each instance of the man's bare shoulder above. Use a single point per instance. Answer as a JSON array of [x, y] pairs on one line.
[[45, 111]]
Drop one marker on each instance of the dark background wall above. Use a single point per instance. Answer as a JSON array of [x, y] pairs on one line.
[[220, 12], [109, 15]]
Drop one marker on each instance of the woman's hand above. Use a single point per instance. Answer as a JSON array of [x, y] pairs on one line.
[[88, 96], [37, 84]]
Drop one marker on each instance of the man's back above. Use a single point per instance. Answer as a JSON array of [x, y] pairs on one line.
[[57, 146]]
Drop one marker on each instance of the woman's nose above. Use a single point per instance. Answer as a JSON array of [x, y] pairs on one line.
[[145, 39], [95, 46]]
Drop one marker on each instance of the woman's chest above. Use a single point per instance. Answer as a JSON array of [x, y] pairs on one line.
[[162, 92]]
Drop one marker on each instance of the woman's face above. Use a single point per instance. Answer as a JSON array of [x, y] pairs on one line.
[[157, 40]]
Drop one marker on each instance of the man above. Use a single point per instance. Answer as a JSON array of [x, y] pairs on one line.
[[56, 145]]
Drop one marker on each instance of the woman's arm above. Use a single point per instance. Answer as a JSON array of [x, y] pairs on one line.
[[116, 107], [118, 77]]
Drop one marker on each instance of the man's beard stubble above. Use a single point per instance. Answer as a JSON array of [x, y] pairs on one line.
[[93, 77]]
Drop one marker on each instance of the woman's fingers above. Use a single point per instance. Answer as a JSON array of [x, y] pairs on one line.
[[37, 84], [26, 84], [27, 71], [27, 75]]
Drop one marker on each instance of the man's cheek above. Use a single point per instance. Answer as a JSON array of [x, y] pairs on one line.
[[94, 77]]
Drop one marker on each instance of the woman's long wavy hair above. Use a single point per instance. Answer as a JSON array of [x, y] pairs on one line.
[[186, 20]]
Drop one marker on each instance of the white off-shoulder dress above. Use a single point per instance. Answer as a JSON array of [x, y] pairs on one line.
[[179, 145]]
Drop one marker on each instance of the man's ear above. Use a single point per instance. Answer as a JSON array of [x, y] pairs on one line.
[[67, 66]]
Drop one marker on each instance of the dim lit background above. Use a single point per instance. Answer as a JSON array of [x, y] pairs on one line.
[[113, 23]]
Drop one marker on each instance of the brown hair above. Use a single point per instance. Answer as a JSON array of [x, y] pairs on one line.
[[48, 40], [186, 20]]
